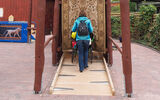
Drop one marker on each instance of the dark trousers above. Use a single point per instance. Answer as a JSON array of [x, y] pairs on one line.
[[83, 46]]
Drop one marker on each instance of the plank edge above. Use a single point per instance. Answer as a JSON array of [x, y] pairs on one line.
[[109, 77]]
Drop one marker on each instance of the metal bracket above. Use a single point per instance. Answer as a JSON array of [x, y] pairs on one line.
[[129, 95], [37, 92]]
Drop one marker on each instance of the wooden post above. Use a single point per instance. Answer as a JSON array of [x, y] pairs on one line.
[[106, 52], [109, 33], [56, 18], [126, 46], [30, 21], [39, 46]]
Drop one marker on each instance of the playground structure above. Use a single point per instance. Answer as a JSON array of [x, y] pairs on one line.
[[103, 34]]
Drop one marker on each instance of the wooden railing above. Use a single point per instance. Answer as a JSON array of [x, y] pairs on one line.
[[137, 14], [118, 14], [119, 49], [49, 39]]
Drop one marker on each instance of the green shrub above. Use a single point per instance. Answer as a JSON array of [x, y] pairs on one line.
[[115, 9], [132, 6], [146, 19], [154, 34], [144, 28], [134, 20], [116, 26]]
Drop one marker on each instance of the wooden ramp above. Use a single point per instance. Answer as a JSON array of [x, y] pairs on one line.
[[94, 80]]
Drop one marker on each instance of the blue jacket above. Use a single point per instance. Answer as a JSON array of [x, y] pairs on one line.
[[89, 25]]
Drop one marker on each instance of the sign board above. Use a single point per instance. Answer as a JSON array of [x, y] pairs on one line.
[[13, 31], [1, 12]]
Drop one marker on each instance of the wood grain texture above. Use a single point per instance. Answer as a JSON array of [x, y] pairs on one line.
[[109, 33], [39, 46], [126, 45], [20, 9], [92, 81]]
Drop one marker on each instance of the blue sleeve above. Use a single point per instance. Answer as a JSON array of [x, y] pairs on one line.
[[90, 27], [74, 27]]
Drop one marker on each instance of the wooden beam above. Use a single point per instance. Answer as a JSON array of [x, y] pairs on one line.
[[56, 75], [49, 39], [106, 51], [60, 1], [119, 49], [126, 45], [109, 32], [30, 21], [56, 19], [39, 45], [109, 78]]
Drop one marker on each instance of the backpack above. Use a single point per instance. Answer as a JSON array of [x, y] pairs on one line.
[[82, 28]]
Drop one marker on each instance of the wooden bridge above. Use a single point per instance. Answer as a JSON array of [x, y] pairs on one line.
[[68, 83], [103, 44], [95, 80]]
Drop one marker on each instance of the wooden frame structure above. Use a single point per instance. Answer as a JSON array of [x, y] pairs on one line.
[[126, 47]]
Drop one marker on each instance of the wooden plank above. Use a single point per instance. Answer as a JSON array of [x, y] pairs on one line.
[[109, 77], [56, 75], [68, 80], [69, 50], [81, 77], [85, 89]]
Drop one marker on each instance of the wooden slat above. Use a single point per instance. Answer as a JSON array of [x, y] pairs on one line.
[[68, 80], [109, 77], [85, 89], [56, 75]]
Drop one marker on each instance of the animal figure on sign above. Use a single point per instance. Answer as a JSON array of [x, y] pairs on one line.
[[1, 35], [12, 33]]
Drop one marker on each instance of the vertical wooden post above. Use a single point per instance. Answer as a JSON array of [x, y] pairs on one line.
[[55, 31], [109, 33], [39, 46], [106, 52], [126, 45], [30, 21]]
